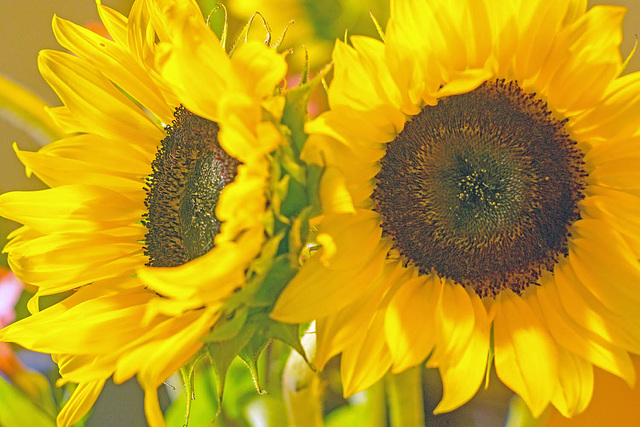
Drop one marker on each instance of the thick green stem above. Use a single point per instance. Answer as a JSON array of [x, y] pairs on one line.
[[404, 394]]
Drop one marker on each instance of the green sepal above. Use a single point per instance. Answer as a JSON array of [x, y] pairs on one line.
[[262, 265], [221, 354], [188, 372], [304, 78], [295, 113], [291, 164], [250, 354], [243, 37], [314, 174], [226, 329], [296, 199], [377, 25], [287, 333], [274, 282]]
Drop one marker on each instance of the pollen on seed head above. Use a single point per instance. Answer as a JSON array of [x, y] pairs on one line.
[[482, 188], [189, 173]]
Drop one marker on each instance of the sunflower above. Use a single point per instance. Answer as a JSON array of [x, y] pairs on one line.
[[480, 202], [162, 199]]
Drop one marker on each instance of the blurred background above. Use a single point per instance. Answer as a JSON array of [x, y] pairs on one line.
[[25, 29]]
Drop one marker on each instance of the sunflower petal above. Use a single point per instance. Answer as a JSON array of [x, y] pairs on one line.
[[80, 402], [463, 375], [525, 355], [302, 300], [365, 361], [409, 321]]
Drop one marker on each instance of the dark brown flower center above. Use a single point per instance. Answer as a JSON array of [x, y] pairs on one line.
[[189, 172], [482, 188]]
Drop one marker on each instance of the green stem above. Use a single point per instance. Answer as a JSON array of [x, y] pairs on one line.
[[404, 394], [376, 409]]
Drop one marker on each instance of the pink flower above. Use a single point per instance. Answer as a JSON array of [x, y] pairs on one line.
[[10, 290]]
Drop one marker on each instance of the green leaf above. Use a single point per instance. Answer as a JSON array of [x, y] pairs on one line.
[[275, 281], [291, 164], [227, 329], [295, 200], [16, 409], [188, 375], [314, 174], [288, 334], [250, 354], [295, 113], [221, 354]]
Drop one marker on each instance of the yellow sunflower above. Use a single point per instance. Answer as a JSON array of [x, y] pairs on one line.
[[162, 198], [480, 202]]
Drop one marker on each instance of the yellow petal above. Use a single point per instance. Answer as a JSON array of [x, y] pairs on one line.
[[613, 117], [585, 60], [612, 335], [165, 348], [95, 101], [200, 85], [117, 64], [361, 70], [409, 321], [525, 356], [463, 375], [259, 68], [337, 331], [606, 267], [575, 384], [211, 277], [60, 263], [353, 239], [71, 207], [84, 368], [539, 23], [80, 402], [48, 330], [622, 174], [303, 300], [454, 323], [410, 52], [115, 23], [334, 195], [365, 361], [152, 409], [618, 209], [55, 171]]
